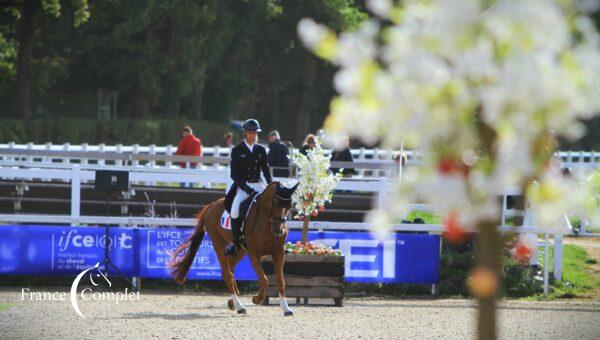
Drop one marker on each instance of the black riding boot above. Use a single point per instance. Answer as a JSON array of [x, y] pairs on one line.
[[231, 249]]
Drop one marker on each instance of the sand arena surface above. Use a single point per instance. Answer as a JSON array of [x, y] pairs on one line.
[[182, 316]]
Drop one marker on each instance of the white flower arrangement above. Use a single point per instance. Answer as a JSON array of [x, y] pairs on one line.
[[480, 90], [316, 182]]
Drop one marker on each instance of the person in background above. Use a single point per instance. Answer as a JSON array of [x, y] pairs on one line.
[[227, 140], [343, 155], [189, 145], [309, 143], [278, 156]]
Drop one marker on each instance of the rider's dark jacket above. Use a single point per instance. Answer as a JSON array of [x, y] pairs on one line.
[[246, 167]]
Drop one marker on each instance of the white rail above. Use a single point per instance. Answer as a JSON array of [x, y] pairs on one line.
[[75, 174], [142, 156]]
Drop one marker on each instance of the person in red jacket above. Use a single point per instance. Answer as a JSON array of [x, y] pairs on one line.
[[189, 145]]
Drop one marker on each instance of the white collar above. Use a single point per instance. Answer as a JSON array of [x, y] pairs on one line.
[[250, 146]]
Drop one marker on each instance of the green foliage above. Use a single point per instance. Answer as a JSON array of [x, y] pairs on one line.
[[521, 280], [428, 217], [578, 280], [215, 59], [77, 131], [455, 264]]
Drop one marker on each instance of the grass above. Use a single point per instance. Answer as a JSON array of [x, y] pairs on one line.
[[578, 280], [428, 217], [3, 307]]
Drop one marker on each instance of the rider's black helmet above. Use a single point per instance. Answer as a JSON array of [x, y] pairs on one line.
[[251, 125]]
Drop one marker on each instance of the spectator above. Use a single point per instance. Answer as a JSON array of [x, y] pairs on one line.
[[227, 140], [189, 145], [309, 143], [343, 155], [278, 156]]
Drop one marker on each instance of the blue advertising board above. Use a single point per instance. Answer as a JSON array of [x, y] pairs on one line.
[[144, 252]]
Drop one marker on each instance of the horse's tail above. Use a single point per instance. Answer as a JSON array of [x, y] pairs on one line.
[[181, 265]]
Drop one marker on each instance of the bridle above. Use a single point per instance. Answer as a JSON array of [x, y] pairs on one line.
[[277, 221]]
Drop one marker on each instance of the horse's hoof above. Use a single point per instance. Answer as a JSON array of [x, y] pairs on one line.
[[288, 313], [242, 311], [230, 304], [256, 300]]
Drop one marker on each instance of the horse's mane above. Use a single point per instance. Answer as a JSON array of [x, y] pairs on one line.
[[267, 195]]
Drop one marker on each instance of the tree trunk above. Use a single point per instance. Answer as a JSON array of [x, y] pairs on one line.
[[141, 107], [305, 229], [30, 15], [198, 99], [302, 120], [488, 256]]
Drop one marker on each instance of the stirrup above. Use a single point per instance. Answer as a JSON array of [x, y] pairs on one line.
[[230, 249]]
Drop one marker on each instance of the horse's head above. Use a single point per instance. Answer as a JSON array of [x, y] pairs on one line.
[[281, 204]]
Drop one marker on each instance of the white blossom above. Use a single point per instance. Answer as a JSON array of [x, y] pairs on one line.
[[446, 75], [316, 183]]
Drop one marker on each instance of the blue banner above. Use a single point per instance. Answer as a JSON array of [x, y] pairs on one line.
[[144, 252]]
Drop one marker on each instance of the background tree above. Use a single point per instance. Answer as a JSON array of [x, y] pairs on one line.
[[24, 20]]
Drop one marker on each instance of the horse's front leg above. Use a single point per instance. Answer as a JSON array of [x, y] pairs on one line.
[[227, 272], [263, 282], [278, 260]]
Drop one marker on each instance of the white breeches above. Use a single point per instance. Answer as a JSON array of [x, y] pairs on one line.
[[240, 196]]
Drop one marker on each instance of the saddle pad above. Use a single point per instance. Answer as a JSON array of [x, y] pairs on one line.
[[244, 211], [226, 220]]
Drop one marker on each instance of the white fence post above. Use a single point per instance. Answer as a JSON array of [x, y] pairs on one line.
[[75, 194], [66, 148], [135, 149], [216, 153], [29, 147], [152, 163], [47, 147], [169, 152], [84, 148], [361, 157], [11, 145], [558, 257], [546, 241], [101, 149], [119, 149], [389, 156], [152, 151]]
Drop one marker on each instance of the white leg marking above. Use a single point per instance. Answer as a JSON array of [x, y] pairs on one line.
[[237, 304], [283, 304]]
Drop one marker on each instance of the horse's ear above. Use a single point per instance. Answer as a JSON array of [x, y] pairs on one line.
[[294, 187]]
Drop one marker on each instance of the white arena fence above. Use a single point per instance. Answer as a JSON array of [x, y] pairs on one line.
[[78, 173], [215, 157], [570, 159]]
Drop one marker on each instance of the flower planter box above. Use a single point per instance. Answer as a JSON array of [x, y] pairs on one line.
[[308, 276]]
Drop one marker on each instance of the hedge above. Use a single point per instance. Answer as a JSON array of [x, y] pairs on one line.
[[95, 131]]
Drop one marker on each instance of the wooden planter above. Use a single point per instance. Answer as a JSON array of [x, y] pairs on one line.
[[308, 276]]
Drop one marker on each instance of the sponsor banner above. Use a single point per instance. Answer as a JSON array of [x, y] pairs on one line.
[[144, 252]]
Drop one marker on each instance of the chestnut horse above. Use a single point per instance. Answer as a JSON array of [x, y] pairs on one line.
[[265, 233]]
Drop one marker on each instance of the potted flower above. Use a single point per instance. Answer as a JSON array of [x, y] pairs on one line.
[[311, 269], [315, 186]]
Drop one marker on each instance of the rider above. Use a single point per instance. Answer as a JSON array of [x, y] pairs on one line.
[[248, 159]]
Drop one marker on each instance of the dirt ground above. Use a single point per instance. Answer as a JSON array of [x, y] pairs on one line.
[[179, 316]]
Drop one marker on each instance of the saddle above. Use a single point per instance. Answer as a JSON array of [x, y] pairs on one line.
[[245, 207]]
